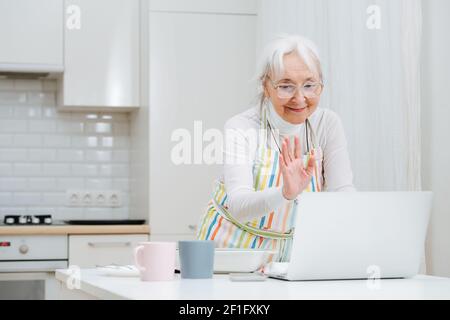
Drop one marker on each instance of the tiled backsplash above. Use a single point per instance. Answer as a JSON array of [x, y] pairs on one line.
[[44, 152]]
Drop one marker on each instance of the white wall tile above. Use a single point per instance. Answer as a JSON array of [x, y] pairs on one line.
[[27, 85], [121, 129], [69, 213], [27, 112], [13, 184], [98, 213], [107, 142], [69, 127], [125, 199], [41, 210], [6, 112], [27, 169], [41, 155], [116, 170], [49, 85], [11, 98], [99, 184], [70, 155], [56, 169], [85, 142], [49, 112], [5, 169], [98, 127], [54, 199], [122, 142], [6, 84], [13, 126], [6, 140], [42, 184], [116, 117], [41, 99], [41, 126], [70, 183], [120, 213], [27, 198], [13, 155], [121, 184], [55, 141], [27, 140], [99, 156], [4, 210], [121, 156], [86, 170], [5, 198]]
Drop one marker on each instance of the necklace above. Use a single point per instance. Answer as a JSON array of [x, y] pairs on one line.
[[307, 124]]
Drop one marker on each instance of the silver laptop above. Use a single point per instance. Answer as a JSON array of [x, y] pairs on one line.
[[357, 235]]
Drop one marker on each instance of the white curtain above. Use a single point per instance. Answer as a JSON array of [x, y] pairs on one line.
[[372, 79]]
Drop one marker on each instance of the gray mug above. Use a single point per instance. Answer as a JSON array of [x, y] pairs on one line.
[[196, 259]]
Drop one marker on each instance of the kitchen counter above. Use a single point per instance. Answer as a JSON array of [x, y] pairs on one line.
[[94, 285], [74, 229]]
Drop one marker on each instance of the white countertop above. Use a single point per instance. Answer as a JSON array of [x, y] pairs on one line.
[[95, 284]]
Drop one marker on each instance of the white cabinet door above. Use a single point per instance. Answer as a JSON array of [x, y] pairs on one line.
[[31, 35], [101, 54], [95, 250], [201, 66]]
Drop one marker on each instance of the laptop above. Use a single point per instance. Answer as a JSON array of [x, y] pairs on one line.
[[357, 235]]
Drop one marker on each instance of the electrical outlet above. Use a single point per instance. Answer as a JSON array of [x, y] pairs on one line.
[[98, 198], [73, 198], [114, 199], [87, 199]]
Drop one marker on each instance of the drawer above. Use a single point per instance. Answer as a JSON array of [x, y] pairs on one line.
[[93, 250], [31, 247]]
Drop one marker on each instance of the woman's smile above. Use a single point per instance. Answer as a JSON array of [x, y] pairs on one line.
[[296, 109]]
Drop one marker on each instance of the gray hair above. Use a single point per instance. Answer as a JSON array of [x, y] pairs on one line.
[[271, 60]]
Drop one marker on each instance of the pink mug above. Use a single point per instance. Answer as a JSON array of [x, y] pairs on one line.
[[155, 260]]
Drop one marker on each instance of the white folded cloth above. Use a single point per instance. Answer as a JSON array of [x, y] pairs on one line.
[[119, 271]]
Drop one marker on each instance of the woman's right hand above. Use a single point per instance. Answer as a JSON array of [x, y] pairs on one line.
[[295, 177]]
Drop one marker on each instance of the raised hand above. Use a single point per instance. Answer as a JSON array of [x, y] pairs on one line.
[[295, 177]]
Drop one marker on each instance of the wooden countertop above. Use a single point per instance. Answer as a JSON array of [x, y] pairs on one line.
[[74, 229]]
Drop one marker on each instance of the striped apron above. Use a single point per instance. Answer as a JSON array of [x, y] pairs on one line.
[[273, 230]]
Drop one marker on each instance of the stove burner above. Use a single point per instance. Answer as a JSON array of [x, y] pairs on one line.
[[27, 219]]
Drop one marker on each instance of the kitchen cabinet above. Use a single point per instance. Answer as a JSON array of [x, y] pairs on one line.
[[201, 62], [101, 54], [89, 251], [31, 35]]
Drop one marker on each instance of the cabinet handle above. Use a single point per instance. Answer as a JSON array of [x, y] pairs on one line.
[[108, 244]]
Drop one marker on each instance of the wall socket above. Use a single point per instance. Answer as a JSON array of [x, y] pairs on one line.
[[94, 198]]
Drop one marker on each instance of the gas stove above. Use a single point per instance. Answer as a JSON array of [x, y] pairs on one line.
[[28, 219]]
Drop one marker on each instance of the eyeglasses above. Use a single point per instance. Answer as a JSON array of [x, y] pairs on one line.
[[287, 90]]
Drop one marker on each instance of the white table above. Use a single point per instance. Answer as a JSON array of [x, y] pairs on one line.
[[94, 285]]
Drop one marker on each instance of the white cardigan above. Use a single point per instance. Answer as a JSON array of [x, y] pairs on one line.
[[244, 202]]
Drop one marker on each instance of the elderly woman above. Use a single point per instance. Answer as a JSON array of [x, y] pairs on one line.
[[298, 148]]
